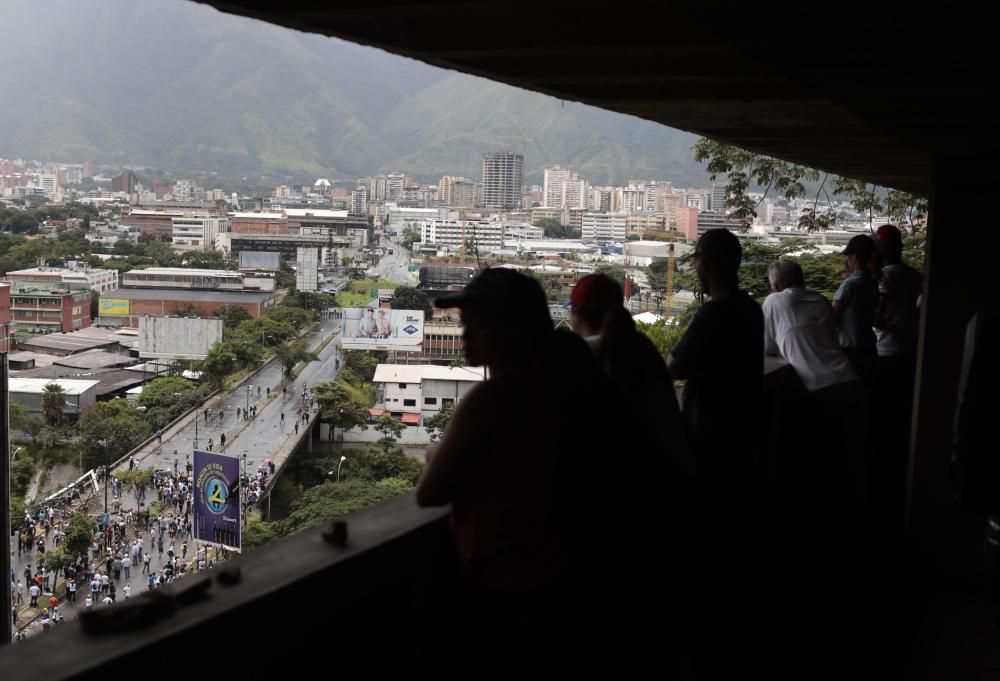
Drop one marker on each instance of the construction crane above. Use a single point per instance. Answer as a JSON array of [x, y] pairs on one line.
[[628, 275], [463, 236], [670, 279]]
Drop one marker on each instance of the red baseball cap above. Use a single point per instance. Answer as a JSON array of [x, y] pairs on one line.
[[596, 292], [888, 237]]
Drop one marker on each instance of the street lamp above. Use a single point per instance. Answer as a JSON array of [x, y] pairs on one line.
[[342, 460], [195, 425]]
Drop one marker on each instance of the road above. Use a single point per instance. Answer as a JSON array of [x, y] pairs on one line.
[[265, 437]]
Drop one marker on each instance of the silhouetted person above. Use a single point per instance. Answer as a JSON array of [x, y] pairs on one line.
[[831, 476], [632, 362], [721, 356], [516, 462], [977, 460], [896, 320], [645, 389], [854, 306]]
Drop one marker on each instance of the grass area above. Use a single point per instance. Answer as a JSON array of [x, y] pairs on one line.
[[358, 293]]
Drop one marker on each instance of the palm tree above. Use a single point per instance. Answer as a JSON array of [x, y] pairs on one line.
[[53, 401]]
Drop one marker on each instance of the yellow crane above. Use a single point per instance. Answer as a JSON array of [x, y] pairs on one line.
[[670, 279], [463, 236]]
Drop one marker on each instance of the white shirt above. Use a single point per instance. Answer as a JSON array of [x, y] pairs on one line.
[[799, 326]]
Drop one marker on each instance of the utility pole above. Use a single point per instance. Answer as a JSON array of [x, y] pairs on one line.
[[7, 623]]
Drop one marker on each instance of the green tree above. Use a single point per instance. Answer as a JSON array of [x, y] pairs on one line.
[[391, 429], [407, 298], [21, 420], [109, 430], [744, 168], [53, 402], [663, 335], [137, 480], [438, 423], [219, 363], [291, 353], [167, 398], [407, 239], [95, 298], [188, 309], [296, 317], [232, 316], [373, 465], [56, 558], [340, 406], [363, 363], [556, 230], [79, 533]]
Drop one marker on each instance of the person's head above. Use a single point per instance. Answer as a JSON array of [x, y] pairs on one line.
[[371, 313], [505, 317], [592, 298], [889, 242], [784, 274], [717, 260], [860, 253]]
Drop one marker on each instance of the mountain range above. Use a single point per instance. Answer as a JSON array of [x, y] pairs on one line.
[[179, 86]]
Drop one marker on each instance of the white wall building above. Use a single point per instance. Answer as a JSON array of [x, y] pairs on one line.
[[422, 389], [486, 234], [563, 189], [604, 226], [192, 233]]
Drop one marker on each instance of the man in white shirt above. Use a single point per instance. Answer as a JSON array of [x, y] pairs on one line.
[[799, 326]]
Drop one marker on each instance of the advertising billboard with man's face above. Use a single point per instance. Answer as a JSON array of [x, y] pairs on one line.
[[367, 328]]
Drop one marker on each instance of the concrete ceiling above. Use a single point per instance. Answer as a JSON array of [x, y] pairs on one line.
[[864, 93]]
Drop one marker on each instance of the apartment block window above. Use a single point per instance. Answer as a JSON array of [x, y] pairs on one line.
[[409, 403], [430, 400], [447, 401], [402, 386]]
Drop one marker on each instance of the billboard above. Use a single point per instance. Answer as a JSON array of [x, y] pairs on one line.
[[259, 260], [367, 328], [177, 337], [217, 499], [307, 269], [113, 306]]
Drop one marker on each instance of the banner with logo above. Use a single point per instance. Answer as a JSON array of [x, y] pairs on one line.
[[217, 499], [368, 328]]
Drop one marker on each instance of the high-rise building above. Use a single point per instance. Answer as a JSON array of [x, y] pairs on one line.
[[463, 194], [394, 185], [718, 196], [447, 187], [563, 189], [359, 201], [126, 182], [88, 169], [161, 188], [502, 176]]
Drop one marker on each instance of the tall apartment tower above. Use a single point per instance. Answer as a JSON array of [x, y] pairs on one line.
[[359, 201], [125, 182], [563, 189], [502, 177]]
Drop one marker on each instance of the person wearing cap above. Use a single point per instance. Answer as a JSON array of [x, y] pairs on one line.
[[516, 463], [854, 306], [721, 356], [631, 361]]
